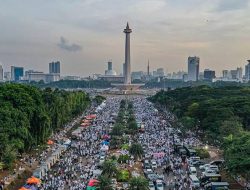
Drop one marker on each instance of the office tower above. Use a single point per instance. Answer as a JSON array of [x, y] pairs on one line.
[[110, 67], [160, 72], [239, 73], [54, 67], [233, 74], [1, 73], [193, 68], [209, 74], [16, 73], [7, 76], [127, 31], [247, 70], [137, 75], [225, 74], [110, 70]]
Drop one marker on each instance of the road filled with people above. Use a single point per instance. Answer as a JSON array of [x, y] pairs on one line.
[[168, 159]]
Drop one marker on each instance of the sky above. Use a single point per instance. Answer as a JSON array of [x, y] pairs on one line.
[[85, 34]]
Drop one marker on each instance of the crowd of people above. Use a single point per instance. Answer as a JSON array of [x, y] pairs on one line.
[[158, 143], [81, 160]]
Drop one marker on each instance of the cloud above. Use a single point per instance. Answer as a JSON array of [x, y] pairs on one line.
[[65, 45], [230, 5]]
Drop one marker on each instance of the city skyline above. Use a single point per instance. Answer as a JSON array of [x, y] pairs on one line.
[[83, 35]]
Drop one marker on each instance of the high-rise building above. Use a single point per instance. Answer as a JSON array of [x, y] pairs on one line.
[[110, 70], [7, 76], [209, 74], [233, 74], [1, 73], [239, 73], [225, 74], [160, 72], [16, 73], [193, 68], [54, 68], [247, 70], [137, 75], [110, 67]]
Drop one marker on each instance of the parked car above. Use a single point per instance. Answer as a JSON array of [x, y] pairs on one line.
[[151, 185], [214, 168], [217, 162], [102, 159], [153, 164], [203, 167], [194, 181], [208, 171], [159, 185], [146, 164], [198, 163]]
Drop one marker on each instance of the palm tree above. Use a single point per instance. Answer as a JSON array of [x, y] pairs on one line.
[[138, 183], [109, 168], [104, 183], [136, 150]]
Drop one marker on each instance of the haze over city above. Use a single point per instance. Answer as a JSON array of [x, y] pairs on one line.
[[85, 34]]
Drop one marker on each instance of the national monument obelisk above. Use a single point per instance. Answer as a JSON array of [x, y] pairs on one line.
[[127, 73], [127, 86]]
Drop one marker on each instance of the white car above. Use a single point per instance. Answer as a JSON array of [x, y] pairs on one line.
[[214, 168], [102, 159], [153, 164], [208, 171], [159, 185], [203, 167]]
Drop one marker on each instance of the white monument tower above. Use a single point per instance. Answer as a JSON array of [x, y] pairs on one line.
[[127, 86], [127, 76]]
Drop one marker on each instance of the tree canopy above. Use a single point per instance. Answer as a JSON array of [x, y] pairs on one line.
[[28, 115]]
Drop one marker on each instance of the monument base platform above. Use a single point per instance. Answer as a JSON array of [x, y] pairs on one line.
[[127, 87]]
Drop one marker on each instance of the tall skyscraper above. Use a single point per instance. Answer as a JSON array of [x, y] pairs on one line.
[[225, 74], [16, 73], [247, 70], [160, 72], [239, 73], [54, 67], [110, 70], [110, 67], [127, 31], [193, 68], [1, 73], [209, 75]]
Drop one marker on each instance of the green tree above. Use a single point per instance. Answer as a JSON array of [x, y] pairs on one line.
[[237, 154], [104, 183], [138, 183], [109, 168], [9, 156], [136, 150], [231, 126], [123, 176], [117, 130]]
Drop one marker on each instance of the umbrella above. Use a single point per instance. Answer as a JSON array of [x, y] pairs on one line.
[[50, 142], [92, 182], [23, 188], [33, 180]]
